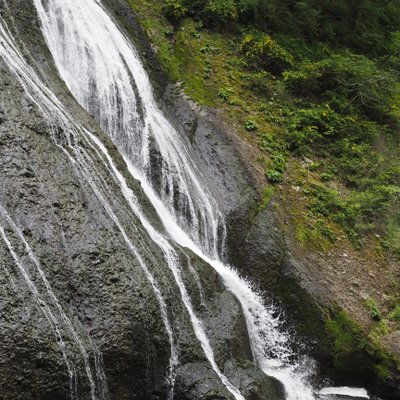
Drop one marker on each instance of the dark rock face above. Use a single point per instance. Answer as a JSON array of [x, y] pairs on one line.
[[99, 283], [195, 382], [217, 150], [77, 311], [113, 325]]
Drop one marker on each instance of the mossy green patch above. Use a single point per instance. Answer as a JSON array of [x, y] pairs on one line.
[[356, 352], [395, 314], [339, 337], [348, 338]]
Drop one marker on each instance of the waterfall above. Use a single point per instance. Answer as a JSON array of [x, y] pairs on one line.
[[67, 139], [103, 71], [87, 170], [110, 82]]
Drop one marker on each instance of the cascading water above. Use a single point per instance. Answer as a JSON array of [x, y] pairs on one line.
[[86, 168], [103, 71], [118, 93], [71, 134]]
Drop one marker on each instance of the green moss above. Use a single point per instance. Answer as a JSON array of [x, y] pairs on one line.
[[267, 194], [385, 363], [302, 234], [357, 353], [313, 232], [310, 236], [347, 337], [383, 371], [342, 343]]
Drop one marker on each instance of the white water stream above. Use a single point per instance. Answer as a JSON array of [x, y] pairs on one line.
[[103, 71], [72, 134]]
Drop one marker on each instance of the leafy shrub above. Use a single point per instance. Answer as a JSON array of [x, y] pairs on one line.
[[279, 162], [259, 82], [207, 69], [364, 25], [274, 176], [207, 49], [273, 118], [327, 176], [224, 94], [347, 81], [277, 168], [262, 52], [373, 309], [175, 9], [308, 125], [250, 125], [221, 10]]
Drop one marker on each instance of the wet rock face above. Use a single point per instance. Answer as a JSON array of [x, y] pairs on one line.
[[77, 311], [97, 282], [216, 148], [196, 382], [255, 246]]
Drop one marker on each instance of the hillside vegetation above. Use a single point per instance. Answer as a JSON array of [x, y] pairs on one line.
[[316, 84]]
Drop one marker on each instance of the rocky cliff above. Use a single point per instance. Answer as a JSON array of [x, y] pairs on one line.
[[80, 316]]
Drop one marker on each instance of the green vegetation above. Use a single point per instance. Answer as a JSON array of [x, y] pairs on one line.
[[348, 339], [266, 197], [315, 84], [353, 352], [373, 309], [395, 314]]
